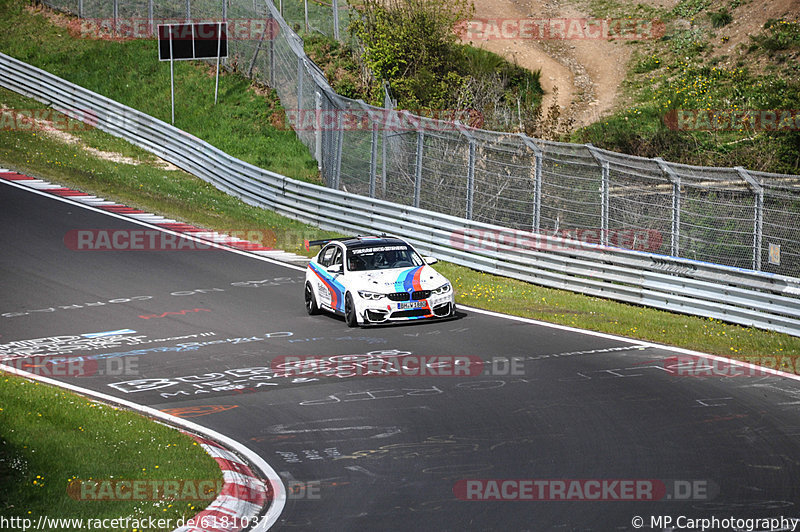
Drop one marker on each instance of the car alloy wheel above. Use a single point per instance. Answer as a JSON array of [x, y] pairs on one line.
[[311, 301], [350, 311]]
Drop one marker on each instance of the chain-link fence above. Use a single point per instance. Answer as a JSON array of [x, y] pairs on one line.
[[728, 216]]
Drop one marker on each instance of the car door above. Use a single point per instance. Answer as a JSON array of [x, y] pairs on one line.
[[325, 260], [336, 272]]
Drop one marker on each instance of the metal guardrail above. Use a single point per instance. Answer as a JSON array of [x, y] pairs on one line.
[[731, 216], [746, 297]]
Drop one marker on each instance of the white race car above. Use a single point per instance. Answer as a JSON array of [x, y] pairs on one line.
[[372, 280]]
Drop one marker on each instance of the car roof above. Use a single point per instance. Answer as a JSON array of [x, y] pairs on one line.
[[372, 241]]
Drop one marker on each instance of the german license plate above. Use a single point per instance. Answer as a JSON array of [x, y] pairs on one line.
[[412, 304]]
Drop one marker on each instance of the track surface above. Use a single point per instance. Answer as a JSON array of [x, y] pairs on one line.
[[387, 452]]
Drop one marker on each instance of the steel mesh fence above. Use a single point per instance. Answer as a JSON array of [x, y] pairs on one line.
[[728, 216]]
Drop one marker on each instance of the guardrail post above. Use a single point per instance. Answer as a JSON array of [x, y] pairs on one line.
[[335, 4], [418, 172], [538, 156], [604, 192], [676, 205], [758, 215]]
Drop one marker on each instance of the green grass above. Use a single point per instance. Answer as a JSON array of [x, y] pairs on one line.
[[146, 186], [129, 72], [682, 71], [703, 334], [51, 438]]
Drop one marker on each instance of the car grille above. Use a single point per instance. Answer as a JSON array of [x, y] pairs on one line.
[[399, 296], [421, 294], [412, 313]]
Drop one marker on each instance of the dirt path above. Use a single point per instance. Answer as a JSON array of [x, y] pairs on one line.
[[588, 73]]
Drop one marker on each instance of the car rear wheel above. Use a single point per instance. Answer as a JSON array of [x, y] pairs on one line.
[[311, 301], [350, 311]]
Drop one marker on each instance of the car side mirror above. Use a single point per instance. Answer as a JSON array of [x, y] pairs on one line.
[[336, 268], [430, 260]]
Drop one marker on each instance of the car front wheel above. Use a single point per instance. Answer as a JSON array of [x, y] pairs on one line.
[[350, 311], [311, 301]]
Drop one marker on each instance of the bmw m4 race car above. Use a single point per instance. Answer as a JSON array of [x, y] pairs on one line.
[[373, 280]]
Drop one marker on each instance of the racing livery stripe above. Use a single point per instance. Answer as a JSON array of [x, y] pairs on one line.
[[415, 282], [408, 280], [335, 287]]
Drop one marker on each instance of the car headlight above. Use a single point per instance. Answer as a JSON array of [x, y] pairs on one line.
[[442, 289], [374, 296]]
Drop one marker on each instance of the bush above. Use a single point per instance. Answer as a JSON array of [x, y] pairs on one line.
[[720, 18]]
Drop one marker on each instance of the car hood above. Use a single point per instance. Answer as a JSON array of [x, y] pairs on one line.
[[398, 279]]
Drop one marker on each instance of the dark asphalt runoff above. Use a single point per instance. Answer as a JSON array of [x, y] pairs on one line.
[[601, 421]]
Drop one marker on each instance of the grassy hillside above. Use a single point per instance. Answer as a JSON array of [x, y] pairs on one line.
[[716, 56], [241, 124]]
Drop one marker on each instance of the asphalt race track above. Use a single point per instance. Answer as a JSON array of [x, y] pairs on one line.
[[200, 329]]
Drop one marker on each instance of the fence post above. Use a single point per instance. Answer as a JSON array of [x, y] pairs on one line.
[[676, 205], [538, 156], [272, 33], [318, 129], [116, 16], [188, 11], [470, 169], [387, 107], [758, 217], [80, 8], [225, 10], [300, 84], [305, 13], [418, 172], [373, 152], [339, 141], [150, 16], [604, 192], [335, 4], [471, 179]]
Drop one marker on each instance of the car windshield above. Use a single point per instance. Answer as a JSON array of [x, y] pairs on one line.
[[382, 258]]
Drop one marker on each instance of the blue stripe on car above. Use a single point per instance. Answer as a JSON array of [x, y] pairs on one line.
[[337, 289]]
